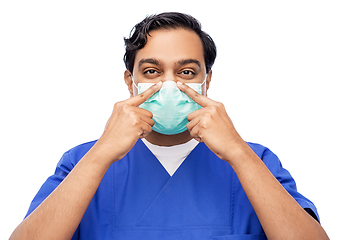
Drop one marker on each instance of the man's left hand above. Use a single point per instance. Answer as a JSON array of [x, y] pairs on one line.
[[212, 125]]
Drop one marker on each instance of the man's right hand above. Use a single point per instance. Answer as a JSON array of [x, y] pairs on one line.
[[126, 125], [58, 216]]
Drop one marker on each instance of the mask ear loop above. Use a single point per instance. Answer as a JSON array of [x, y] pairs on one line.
[[204, 80], [135, 88], [133, 83], [203, 88]]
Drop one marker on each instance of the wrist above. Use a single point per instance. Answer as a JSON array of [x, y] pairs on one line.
[[102, 153], [239, 152]]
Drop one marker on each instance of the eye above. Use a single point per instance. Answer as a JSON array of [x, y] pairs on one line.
[[151, 71], [187, 72]]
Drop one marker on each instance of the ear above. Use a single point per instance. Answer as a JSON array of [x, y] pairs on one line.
[[129, 82]]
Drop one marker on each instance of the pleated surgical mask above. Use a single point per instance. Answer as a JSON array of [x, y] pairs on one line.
[[170, 106]]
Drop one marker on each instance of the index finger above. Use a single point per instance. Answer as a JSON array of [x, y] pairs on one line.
[[142, 97], [197, 97]]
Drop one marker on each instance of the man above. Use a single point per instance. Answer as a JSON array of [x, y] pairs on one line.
[[147, 178]]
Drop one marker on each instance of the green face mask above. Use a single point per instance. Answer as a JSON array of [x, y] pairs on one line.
[[170, 106]]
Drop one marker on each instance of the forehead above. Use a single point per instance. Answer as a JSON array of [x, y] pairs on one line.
[[171, 45]]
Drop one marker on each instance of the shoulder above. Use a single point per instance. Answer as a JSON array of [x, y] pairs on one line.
[[260, 150], [81, 149], [73, 156], [269, 158]]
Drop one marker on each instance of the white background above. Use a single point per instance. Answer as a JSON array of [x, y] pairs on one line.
[[287, 71]]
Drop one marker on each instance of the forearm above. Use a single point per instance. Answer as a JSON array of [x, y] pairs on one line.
[[58, 216], [280, 215]]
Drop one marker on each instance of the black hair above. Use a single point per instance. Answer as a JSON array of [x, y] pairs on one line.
[[139, 34]]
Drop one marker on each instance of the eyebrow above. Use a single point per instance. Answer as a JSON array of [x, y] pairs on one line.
[[188, 61], [157, 62], [149, 60]]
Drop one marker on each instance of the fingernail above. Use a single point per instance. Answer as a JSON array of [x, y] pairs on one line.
[[179, 83], [159, 83]]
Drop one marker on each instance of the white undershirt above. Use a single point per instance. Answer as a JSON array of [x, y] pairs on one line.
[[171, 157]]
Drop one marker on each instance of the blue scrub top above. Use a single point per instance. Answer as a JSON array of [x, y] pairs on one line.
[[137, 198]]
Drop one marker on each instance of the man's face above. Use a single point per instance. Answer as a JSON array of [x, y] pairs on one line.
[[170, 55]]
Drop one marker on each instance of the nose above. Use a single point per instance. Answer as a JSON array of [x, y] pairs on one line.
[[168, 76]]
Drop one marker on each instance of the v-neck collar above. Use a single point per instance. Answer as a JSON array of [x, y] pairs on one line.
[[171, 157]]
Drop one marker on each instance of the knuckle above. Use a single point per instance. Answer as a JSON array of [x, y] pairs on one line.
[[197, 95], [132, 115], [118, 105], [152, 122], [207, 116], [213, 109], [220, 105], [122, 107], [216, 108], [134, 120], [193, 134], [141, 95], [204, 124], [146, 113], [148, 128]]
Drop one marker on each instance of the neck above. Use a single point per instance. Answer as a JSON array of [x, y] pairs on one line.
[[168, 140]]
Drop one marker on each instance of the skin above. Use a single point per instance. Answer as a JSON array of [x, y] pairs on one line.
[[59, 215], [167, 64]]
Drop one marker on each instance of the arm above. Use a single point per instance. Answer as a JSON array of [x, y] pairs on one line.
[[58, 216], [280, 215]]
